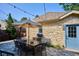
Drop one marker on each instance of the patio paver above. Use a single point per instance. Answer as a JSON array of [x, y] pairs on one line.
[[10, 47]]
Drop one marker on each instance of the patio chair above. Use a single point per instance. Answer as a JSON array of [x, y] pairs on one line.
[[40, 48], [17, 46], [27, 49]]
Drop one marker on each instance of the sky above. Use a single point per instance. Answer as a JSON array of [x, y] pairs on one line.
[[33, 8]]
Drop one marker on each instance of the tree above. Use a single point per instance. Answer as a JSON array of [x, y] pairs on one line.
[[24, 18], [9, 21], [70, 6], [15, 20], [36, 16], [10, 28]]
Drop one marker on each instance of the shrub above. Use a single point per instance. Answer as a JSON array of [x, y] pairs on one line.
[[56, 46]]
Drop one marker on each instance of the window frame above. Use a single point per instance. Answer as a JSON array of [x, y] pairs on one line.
[[72, 32]]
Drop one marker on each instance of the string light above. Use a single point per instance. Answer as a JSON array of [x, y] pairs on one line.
[[21, 9], [3, 12]]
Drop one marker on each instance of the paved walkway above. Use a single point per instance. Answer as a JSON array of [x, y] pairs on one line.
[[10, 47]]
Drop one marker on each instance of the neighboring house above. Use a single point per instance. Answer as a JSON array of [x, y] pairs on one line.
[[3, 36], [3, 25], [61, 27], [26, 29]]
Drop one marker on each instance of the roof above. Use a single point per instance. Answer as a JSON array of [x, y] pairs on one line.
[[49, 16], [2, 21], [69, 13], [27, 22], [54, 16]]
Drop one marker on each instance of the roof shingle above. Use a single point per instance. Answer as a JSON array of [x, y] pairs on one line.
[[49, 16]]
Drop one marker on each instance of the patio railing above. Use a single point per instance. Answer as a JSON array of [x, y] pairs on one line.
[[5, 53]]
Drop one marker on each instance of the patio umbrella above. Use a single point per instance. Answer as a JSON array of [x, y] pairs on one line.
[[28, 23]]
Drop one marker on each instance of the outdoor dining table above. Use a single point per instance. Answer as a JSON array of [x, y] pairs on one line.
[[22, 41], [27, 48]]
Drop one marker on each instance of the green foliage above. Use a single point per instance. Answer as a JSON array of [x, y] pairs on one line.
[[9, 21], [10, 28], [36, 16], [50, 45], [70, 6], [24, 18], [56, 46]]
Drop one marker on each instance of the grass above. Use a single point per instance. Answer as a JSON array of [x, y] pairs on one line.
[[56, 46]]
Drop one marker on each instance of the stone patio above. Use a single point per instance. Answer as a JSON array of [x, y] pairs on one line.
[[10, 47], [59, 52]]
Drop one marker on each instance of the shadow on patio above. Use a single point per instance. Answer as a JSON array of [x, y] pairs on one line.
[[9, 48]]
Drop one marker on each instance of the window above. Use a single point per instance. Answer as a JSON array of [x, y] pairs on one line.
[[0, 25], [72, 31], [40, 29]]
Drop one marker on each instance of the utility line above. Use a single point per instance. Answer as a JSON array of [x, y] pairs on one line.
[[44, 8], [0, 17], [21, 9], [3, 12], [45, 11]]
